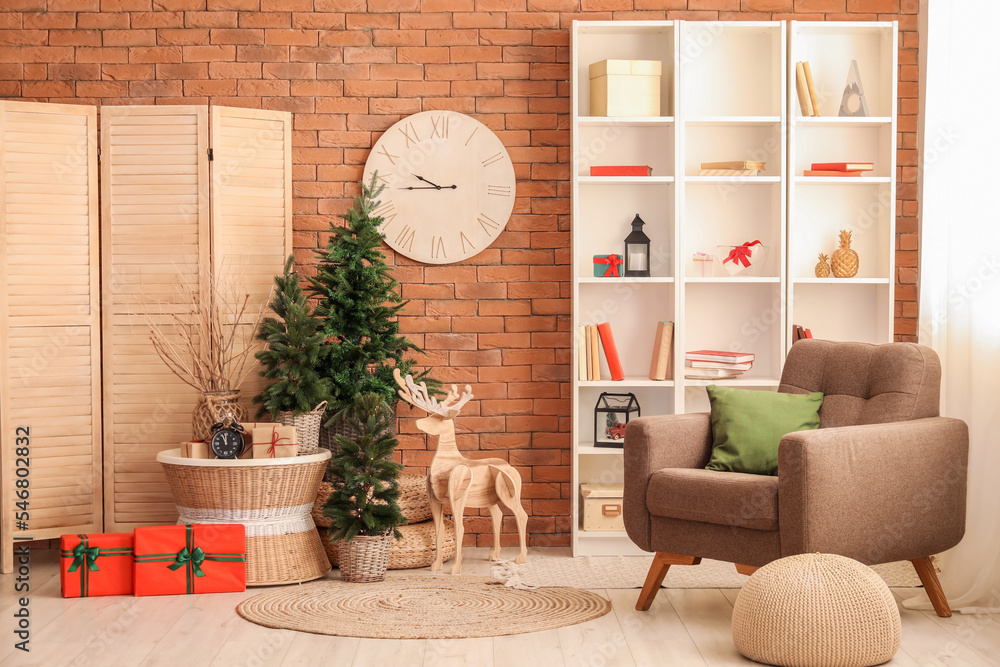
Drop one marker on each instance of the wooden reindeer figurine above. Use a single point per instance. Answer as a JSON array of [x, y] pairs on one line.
[[459, 481]]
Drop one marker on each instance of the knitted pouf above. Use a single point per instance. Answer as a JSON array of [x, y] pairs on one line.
[[816, 610]]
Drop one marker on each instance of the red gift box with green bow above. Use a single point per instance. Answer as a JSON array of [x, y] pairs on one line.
[[198, 558], [95, 564]]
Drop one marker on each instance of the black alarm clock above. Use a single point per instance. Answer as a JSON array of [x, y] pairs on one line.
[[227, 439]]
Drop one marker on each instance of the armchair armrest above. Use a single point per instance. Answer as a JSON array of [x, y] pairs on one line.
[[876, 493], [654, 443]]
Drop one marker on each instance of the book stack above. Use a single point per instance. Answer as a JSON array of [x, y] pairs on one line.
[[716, 364], [808, 100], [838, 168], [590, 339], [799, 332], [733, 168], [659, 365], [622, 170]]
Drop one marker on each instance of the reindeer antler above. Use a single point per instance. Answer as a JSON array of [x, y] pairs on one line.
[[418, 396]]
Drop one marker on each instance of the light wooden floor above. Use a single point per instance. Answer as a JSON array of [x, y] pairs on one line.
[[685, 627]]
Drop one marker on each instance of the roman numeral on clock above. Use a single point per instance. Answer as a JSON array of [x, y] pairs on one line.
[[386, 211], [439, 127], [405, 238], [385, 152], [498, 190], [493, 158], [381, 177], [437, 248], [406, 130], [488, 224], [466, 242]]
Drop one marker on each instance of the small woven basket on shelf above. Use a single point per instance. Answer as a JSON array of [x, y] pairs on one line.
[[365, 558], [307, 428]]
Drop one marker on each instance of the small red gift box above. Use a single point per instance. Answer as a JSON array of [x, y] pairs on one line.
[[199, 558], [96, 564]]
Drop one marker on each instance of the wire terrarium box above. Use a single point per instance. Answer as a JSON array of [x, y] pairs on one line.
[[611, 414]]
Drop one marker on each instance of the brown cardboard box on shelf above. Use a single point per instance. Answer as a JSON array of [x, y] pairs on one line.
[[602, 506], [625, 88]]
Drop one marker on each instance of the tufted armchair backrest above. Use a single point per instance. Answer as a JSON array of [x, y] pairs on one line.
[[864, 383]]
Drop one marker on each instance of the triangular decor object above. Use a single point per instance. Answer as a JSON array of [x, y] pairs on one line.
[[854, 103]]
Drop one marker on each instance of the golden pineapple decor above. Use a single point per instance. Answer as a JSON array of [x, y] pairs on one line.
[[822, 268], [845, 260]]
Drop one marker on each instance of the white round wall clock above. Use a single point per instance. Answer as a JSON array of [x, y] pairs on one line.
[[449, 186]]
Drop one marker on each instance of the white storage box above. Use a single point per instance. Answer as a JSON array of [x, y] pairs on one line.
[[602, 506], [625, 88]]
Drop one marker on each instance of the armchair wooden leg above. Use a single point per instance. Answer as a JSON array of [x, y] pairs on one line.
[[657, 571], [928, 577], [746, 569]]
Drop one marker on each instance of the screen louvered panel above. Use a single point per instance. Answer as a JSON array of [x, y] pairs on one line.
[[155, 224], [251, 202], [50, 375]]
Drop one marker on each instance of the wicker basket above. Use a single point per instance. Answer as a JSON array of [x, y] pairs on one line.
[[212, 406], [416, 549], [365, 558], [413, 502], [307, 427], [271, 497], [328, 434]]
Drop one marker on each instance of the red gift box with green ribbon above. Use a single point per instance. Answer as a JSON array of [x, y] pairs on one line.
[[198, 558], [95, 564]]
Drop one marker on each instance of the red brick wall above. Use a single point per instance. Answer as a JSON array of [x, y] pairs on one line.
[[349, 69]]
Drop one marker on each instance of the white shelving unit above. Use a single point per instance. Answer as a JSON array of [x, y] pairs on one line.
[[727, 94], [859, 308]]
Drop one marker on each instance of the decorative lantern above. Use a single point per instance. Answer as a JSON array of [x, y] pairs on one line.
[[611, 414], [637, 250]]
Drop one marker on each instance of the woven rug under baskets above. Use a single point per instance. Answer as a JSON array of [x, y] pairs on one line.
[[421, 607], [416, 549]]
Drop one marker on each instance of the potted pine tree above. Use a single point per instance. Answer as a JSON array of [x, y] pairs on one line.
[[293, 343], [358, 300], [363, 508]]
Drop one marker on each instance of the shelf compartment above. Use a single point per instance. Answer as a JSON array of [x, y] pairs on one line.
[[819, 213], [607, 212], [610, 180], [726, 143], [588, 449], [856, 311], [652, 401], [651, 145], [841, 143]]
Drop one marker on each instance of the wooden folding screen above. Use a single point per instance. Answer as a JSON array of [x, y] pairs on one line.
[[169, 213], [50, 371], [155, 243]]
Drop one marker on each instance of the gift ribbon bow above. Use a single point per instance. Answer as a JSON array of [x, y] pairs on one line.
[[85, 560], [195, 558], [613, 262], [275, 442], [190, 558], [741, 253]]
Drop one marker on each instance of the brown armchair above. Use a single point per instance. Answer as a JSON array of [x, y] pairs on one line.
[[883, 479]]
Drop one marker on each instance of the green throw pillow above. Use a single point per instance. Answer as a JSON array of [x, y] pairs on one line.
[[748, 425]]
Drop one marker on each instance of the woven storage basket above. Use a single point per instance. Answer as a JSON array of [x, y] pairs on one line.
[[307, 427], [416, 549], [413, 502], [816, 610], [365, 558], [327, 434], [211, 407], [271, 497]]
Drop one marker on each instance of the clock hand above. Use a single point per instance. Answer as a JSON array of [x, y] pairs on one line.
[[435, 187], [428, 182]]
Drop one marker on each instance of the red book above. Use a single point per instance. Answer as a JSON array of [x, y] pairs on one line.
[[622, 170], [829, 172], [843, 166], [95, 564], [200, 558], [611, 351]]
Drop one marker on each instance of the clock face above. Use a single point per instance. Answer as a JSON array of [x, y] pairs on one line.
[[227, 443], [449, 186]]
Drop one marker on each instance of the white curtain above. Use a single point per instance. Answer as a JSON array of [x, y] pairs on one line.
[[960, 267]]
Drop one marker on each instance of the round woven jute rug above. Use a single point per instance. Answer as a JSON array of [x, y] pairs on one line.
[[421, 607]]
